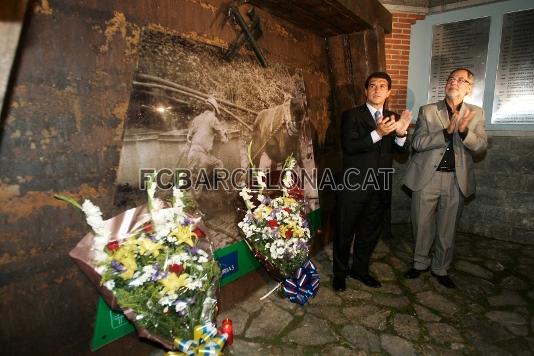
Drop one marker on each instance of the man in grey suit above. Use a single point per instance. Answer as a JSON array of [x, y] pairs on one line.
[[441, 173]]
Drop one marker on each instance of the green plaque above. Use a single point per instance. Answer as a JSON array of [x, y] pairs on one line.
[[109, 326], [314, 221]]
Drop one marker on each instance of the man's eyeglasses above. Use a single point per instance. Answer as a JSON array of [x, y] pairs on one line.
[[460, 81]]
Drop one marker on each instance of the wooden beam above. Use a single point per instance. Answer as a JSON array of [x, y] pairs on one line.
[[12, 10], [371, 12], [330, 17]]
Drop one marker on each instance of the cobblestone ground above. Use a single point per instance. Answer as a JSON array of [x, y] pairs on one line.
[[490, 313]]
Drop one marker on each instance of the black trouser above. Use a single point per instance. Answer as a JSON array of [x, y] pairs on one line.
[[360, 218], [386, 229]]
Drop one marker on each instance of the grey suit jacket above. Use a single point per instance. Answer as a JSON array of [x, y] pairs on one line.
[[429, 146]]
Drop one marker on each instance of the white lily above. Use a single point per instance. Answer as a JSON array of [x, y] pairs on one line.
[[262, 178], [247, 198]]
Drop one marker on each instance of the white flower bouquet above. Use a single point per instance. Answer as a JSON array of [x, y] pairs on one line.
[[155, 265], [276, 230]]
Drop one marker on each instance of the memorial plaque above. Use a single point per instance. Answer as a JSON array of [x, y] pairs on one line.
[[459, 44], [514, 85]]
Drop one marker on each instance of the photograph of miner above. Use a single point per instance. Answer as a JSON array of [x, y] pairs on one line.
[[191, 109]]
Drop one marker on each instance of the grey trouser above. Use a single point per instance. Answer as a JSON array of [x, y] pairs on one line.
[[435, 211]]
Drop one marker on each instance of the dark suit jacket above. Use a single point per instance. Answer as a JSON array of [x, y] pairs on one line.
[[361, 153]]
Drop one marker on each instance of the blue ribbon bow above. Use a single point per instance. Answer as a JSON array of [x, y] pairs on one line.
[[304, 285]]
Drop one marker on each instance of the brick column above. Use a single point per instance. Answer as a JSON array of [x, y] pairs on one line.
[[397, 45]]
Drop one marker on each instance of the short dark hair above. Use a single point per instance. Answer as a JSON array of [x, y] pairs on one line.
[[382, 75], [470, 74]]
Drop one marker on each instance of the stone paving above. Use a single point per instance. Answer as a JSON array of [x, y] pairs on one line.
[[490, 313]]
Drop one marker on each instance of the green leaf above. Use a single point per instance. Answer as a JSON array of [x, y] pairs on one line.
[[249, 154], [69, 200], [287, 161], [150, 200]]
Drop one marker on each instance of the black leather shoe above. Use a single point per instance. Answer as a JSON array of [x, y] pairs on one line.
[[413, 273], [339, 284], [445, 280], [366, 279]]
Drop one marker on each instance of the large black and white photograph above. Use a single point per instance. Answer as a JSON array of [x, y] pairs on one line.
[[191, 109]]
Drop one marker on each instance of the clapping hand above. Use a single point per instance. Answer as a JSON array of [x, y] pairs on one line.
[[403, 123], [386, 125], [464, 121], [453, 122], [460, 123]]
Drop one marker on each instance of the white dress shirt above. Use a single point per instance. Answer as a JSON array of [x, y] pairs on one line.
[[374, 134]]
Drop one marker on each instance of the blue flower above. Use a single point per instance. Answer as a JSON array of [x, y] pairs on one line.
[[157, 274], [117, 266], [301, 245], [266, 200]]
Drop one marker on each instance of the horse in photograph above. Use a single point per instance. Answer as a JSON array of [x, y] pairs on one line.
[[277, 133]]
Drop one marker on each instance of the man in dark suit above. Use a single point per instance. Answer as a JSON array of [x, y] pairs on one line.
[[369, 134]]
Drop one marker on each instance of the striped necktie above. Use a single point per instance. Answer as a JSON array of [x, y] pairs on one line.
[[378, 116]]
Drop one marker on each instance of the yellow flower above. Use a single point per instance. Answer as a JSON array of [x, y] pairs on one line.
[[130, 244], [262, 212], [293, 227], [148, 247], [289, 201], [285, 231], [172, 282], [298, 232], [184, 235], [127, 259]]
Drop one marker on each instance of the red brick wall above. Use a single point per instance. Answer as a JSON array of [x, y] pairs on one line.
[[397, 57]]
